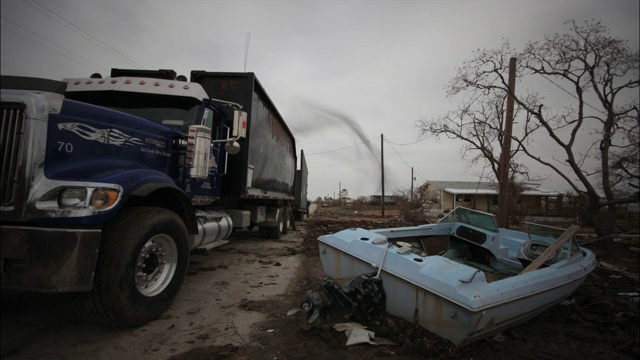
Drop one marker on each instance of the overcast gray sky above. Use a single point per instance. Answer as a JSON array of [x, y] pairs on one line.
[[340, 72]]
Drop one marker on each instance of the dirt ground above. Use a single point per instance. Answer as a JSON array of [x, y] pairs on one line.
[[235, 301], [597, 322]]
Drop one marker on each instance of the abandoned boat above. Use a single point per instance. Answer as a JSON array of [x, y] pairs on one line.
[[462, 278]]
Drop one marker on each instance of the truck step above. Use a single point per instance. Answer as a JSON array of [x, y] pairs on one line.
[[212, 245]]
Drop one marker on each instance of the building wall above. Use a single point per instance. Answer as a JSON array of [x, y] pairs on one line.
[[483, 202], [477, 202], [447, 201], [463, 200]]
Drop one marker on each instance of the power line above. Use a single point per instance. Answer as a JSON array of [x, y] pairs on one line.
[[52, 42], [99, 42], [394, 150], [401, 158], [344, 148], [411, 143], [573, 96], [45, 46], [365, 142], [71, 26], [359, 160]]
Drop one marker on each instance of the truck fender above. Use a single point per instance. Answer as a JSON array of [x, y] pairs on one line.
[[164, 194]]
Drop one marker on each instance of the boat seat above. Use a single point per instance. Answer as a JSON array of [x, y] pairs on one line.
[[435, 245]]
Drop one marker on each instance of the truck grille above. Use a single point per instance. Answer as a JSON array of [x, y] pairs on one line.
[[12, 131]]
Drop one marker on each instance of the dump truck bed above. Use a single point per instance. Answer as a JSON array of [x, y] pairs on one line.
[[266, 164]]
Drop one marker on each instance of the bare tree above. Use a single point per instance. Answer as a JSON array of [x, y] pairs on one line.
[[594, 138], [479, 124], [344, 194], [412, 207]]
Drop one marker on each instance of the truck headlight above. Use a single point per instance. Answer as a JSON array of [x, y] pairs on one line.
[[72, 198], [103, 198], [75, 199], [87, 198]]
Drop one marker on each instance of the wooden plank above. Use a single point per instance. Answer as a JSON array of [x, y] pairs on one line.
[[292, 221], [551, 250]]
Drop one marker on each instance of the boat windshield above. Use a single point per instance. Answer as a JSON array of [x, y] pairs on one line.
[[472, 217], [549, 234]]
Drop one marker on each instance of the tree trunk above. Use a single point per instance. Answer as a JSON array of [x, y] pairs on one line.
[[602, 220]]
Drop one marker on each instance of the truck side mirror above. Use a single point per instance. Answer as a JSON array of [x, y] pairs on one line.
[[239, 124], [232, 147]]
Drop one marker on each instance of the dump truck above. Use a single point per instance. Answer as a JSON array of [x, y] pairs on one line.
[[109, 183]]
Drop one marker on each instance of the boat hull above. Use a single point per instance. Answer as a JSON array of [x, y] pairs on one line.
[[451, 300]]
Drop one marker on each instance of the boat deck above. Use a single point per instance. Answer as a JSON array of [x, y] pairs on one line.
[[461, 251]]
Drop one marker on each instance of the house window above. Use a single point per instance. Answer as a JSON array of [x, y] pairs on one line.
[[463, 198]]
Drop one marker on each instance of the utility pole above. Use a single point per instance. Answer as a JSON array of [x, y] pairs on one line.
[[412, 185], [505, 156], [382, 168], [339, 193]]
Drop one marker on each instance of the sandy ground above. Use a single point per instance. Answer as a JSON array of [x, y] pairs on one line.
[[214, 307]]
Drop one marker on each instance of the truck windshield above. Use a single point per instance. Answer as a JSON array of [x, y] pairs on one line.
[[176, 111]]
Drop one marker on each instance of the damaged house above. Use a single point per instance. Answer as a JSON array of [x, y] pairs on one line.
[[529, 199]]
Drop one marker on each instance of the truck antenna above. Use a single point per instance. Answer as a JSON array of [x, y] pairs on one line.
[[246, 49]]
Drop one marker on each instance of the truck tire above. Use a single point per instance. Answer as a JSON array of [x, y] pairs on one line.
[[265, 232], [277, 231], [142, 263], [286, 219]]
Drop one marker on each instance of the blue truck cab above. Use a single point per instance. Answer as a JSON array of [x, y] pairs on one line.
[[109, 183]]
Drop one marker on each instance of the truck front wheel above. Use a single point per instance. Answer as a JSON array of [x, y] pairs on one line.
[[142, 264]]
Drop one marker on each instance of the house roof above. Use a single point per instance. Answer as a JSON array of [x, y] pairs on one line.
[[486, 188]]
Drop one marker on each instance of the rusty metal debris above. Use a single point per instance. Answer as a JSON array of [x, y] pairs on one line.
[[362, 298]]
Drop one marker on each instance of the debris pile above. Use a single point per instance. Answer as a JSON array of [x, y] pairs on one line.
[[361, 298]]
